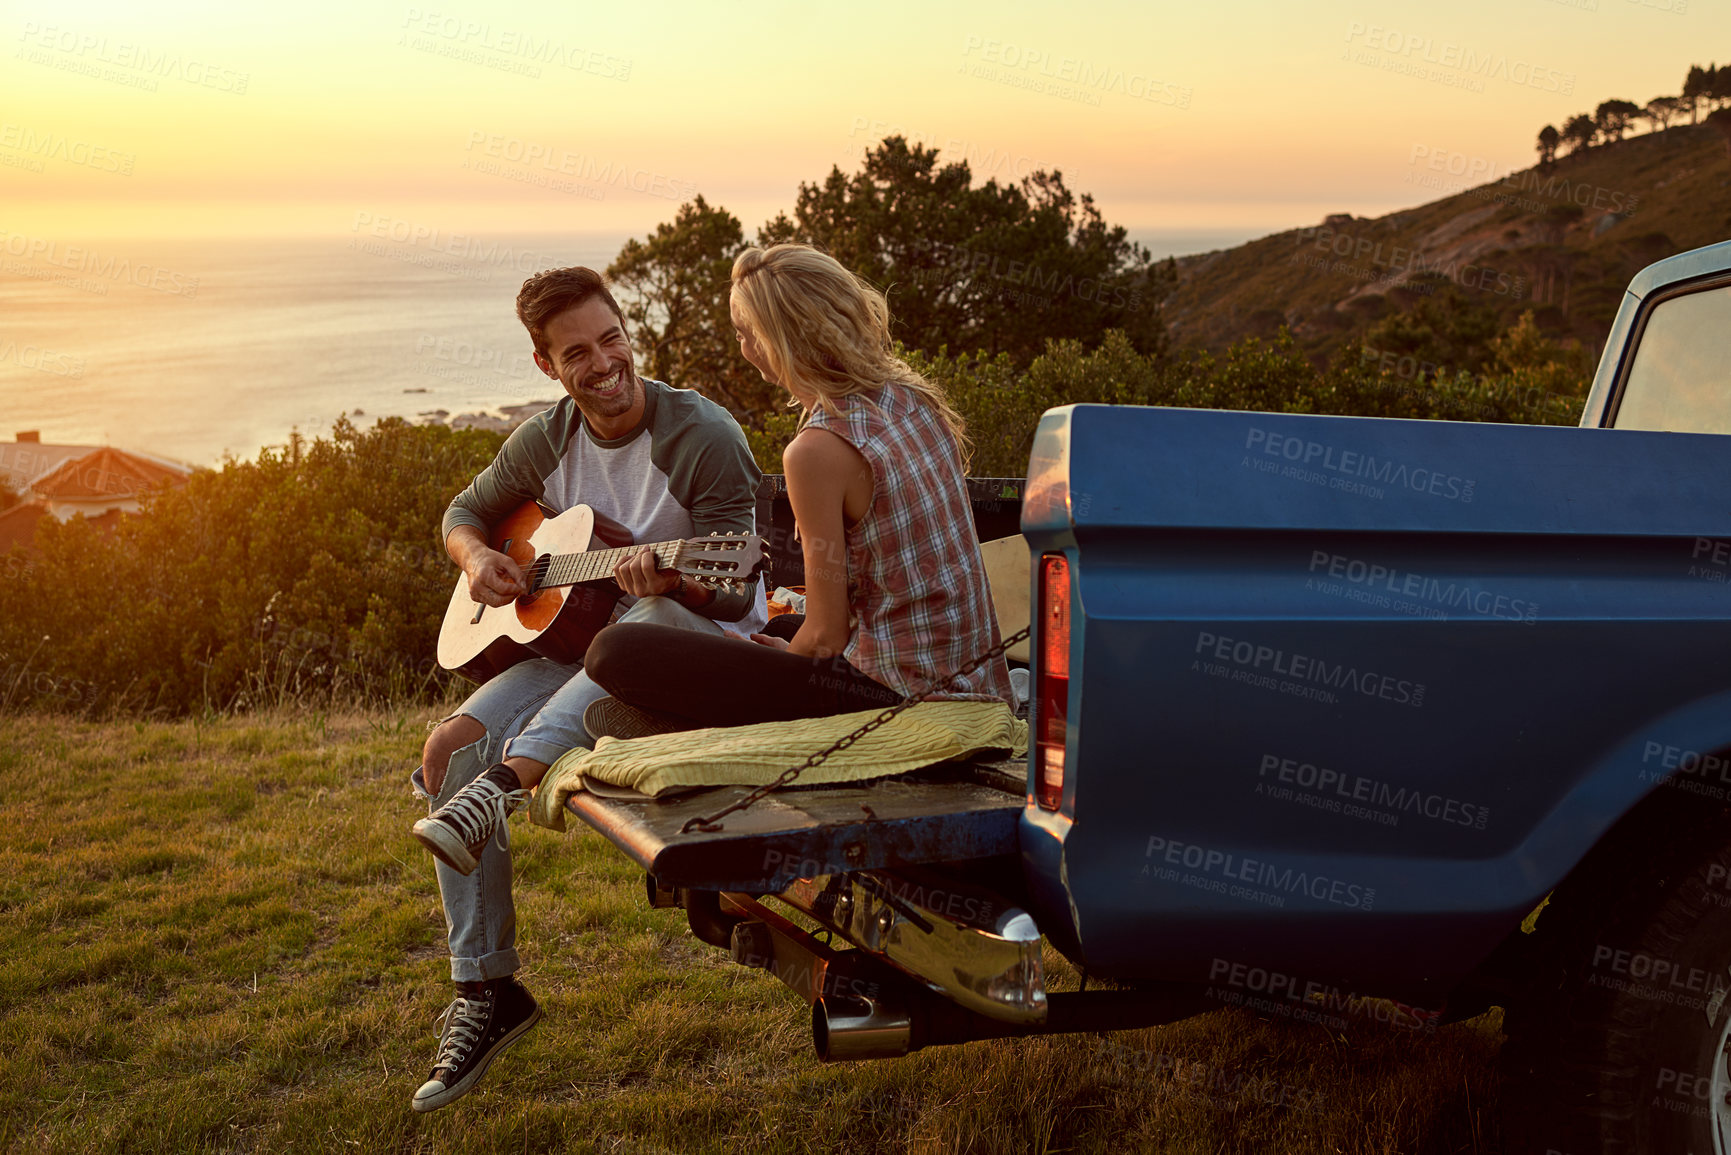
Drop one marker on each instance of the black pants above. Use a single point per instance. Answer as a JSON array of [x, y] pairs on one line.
[[719, 680]]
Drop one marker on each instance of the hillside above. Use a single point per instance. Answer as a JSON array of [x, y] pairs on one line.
[[1562, 241]]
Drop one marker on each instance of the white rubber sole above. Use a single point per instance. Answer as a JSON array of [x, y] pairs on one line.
[[467, 1083], [445, 846]]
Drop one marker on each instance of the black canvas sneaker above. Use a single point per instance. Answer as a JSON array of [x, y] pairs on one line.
[[458, 831], [476, 1028]]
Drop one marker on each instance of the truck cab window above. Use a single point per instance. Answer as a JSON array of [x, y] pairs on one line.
[[1681, 378]]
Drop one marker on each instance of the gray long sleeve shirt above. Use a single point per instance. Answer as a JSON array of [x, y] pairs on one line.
[[684, 471]]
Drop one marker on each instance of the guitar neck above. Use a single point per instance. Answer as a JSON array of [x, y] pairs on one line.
[[566, 569]]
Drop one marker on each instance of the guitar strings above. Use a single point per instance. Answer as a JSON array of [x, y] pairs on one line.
[[551, 571]]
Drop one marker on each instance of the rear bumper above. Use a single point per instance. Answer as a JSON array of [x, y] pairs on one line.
[[963, 941]]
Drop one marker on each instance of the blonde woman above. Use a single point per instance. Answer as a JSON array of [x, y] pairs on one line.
[[896, 594]]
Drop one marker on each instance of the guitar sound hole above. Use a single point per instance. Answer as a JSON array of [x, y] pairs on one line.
[[535, 575]]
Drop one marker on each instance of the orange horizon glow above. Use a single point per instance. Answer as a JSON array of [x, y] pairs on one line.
[[203, 121]]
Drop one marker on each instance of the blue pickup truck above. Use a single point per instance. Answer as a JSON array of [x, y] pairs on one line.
[[1434, 712]]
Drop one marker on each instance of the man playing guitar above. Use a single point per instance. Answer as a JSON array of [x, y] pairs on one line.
[[664, 463]]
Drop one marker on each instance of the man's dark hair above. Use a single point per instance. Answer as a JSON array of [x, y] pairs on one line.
[[549, 293]]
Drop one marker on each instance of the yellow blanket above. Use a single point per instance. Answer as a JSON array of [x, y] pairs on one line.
[[922, 735]]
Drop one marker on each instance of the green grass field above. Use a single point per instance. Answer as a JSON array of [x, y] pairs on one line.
[[220, 936]]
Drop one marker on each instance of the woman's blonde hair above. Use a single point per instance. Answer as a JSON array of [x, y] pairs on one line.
[[825, 330]]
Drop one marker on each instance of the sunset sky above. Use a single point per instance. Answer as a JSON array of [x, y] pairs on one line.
[[217, 119]]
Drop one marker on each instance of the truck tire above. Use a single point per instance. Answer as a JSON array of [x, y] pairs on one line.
[[1619, 1041]]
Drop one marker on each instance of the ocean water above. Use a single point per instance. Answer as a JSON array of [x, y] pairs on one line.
[[194, 349]]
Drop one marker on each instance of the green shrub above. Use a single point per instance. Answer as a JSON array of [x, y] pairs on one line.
[[314, 573]]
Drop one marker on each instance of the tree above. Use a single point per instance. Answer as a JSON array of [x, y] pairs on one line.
[[1548, 140], [1662, 110], [1612, 117], [675, 287], [1697, 87], [1579, 132], [1657, 113], [1448, 328], [999, 268], [1719, 85]]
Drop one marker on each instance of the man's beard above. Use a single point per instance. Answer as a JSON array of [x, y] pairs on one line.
[[613, 403]]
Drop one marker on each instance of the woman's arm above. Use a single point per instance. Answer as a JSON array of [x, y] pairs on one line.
[[827, 481]]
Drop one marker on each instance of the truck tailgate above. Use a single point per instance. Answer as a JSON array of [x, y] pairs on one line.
[[947, 813]]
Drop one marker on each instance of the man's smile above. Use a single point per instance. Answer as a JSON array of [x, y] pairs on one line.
[[607, 386]]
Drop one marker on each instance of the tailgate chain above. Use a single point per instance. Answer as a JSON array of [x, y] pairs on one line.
[[713, 823]]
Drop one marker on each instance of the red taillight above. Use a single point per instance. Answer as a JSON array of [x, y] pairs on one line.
[[1052, 687]]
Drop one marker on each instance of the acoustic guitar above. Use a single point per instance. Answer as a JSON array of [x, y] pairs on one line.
[[567, 562]]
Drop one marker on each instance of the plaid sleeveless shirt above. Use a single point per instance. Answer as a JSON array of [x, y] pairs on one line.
[[916, 582]]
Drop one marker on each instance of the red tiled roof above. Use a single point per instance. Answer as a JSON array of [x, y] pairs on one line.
[[106, 472]]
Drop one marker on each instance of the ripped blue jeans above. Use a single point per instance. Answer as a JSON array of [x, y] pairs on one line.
[[532, 710]]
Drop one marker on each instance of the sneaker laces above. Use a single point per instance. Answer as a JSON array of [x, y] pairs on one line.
[[480, 808], [459, 1028]]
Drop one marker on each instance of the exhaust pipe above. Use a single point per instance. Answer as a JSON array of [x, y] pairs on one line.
[[911, 1019], [860, 1028]]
